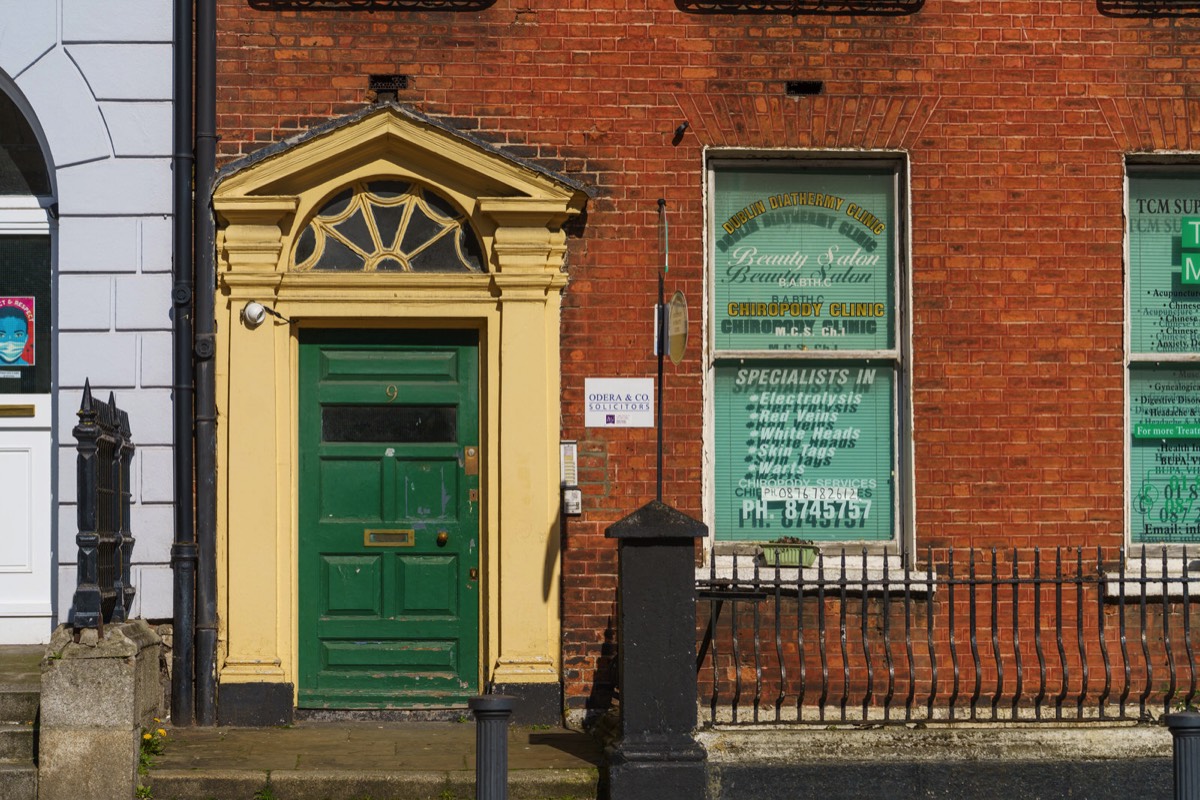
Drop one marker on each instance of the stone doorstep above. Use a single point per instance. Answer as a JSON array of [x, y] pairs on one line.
[[538, 784], [18, 710], [16, 743], [1045, 742], [18, 705]]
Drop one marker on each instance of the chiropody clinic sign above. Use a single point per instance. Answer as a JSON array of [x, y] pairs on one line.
[[804, 264], [803, 260]]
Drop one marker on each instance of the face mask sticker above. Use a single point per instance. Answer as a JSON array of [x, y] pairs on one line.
[[16, 327]]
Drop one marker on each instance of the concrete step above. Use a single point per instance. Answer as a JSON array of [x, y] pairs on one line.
[[542, 784], [354, 760], [18, 705], [956, 780], [20, 691], [18, 781], [16, 743]]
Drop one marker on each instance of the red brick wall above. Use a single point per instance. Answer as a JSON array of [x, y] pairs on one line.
[[1015, 115]]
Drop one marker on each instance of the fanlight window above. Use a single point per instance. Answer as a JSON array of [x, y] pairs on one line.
[[388, 226], [22, 167]]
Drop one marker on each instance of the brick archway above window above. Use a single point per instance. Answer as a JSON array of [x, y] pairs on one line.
[[1149, 8], [865, 8]]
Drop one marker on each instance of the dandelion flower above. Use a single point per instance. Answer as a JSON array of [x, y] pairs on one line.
[[161, 732], [146, 736]]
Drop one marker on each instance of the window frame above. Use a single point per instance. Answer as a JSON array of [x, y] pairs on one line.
[[898, 356], [1134, 168]]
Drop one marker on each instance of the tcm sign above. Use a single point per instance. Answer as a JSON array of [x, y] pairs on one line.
[[1190, 230]]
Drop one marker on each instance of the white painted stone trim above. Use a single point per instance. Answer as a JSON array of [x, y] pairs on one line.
[[24, 215]]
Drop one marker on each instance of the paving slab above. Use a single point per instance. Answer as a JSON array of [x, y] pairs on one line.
[[21, 666], [376, 760]]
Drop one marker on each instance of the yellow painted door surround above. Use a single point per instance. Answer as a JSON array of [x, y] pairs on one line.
[[506, 290]]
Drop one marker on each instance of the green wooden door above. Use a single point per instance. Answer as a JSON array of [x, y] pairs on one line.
[[389, 519]]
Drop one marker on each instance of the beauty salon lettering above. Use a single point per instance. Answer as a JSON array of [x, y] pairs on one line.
[[802, 268]]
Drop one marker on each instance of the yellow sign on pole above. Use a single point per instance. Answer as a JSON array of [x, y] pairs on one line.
[[677, 327]]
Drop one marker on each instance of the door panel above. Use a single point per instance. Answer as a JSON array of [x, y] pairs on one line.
[[16, 476], [25, 440], [25, 499], [389, 591]]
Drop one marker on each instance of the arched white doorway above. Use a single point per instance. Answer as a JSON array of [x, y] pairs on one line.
[[26, 380]]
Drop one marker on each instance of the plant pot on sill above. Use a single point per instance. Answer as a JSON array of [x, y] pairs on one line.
[[788, 554]]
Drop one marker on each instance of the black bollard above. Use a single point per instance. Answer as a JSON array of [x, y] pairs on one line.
[[656, 756], [492, 713], [1185, 730]]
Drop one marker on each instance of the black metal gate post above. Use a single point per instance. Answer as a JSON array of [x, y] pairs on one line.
[[492, 713], [104, 588], [656, 756], [1185, 730]]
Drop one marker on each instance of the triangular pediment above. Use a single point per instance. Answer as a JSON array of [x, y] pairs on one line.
[[394, 141]]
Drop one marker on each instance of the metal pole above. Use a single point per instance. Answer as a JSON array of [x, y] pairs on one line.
[[205, 338], [662, 346], [660, 321], [1185, 730], [183, 550], [492, 713]]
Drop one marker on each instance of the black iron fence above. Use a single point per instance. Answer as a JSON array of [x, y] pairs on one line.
[[1060, 635], [104, 589]]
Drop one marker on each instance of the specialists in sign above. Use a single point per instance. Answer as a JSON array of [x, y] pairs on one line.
[[805, 451]]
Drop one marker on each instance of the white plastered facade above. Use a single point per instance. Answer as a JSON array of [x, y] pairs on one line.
[[95, 81]]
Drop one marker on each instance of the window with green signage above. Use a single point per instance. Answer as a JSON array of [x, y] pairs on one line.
[[1164, 355], [807, 364]]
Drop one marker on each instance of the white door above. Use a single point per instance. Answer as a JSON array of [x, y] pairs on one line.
[[25, 612], [26, 423]]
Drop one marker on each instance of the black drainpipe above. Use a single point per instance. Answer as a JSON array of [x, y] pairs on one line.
[[183, 550], [206, 395]]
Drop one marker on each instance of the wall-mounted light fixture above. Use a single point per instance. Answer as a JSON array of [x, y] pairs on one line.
[[255, 313]]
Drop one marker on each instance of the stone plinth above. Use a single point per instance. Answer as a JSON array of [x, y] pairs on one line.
[[97, 695], [656, 756]]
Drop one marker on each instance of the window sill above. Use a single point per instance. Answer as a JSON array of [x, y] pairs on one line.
[[1147, 577], [735, 569]]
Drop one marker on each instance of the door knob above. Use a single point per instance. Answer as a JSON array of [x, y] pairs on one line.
[[442, 538]]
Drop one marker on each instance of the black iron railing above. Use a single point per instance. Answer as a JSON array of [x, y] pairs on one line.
[[1061, 635], [104, 588]]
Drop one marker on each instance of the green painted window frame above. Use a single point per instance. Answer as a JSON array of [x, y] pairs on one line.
[[808, 331], [1162, 386]]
